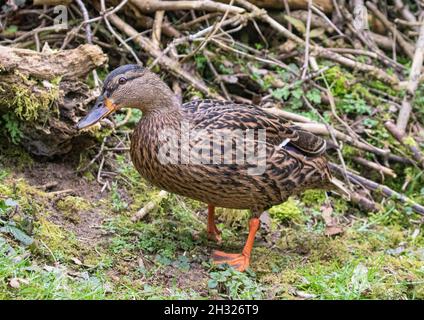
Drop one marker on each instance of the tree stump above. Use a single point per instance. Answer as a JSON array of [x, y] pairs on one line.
[[42, 95]]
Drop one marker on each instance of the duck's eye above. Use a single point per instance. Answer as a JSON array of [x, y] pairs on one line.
[[122, 80]]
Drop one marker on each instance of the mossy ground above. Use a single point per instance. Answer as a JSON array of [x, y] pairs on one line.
[[86, 246]]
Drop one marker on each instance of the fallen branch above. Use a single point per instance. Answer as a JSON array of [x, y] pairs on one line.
[[364, 203], [405, 45], [374, 166], [407, 141], [414, 77], [52, 2], [150, 206], [381, 189], [321, 51], [66, 64], [147, 22], [150, 6], [325, 5]]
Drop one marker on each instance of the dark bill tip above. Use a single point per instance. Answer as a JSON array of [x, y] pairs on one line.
[[99, 111]]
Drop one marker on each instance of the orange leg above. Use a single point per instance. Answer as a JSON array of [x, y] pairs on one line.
[[213, 232], [239, 261]]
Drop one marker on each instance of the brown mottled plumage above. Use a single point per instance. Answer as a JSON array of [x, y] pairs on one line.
[[288, 170], [295, 158]]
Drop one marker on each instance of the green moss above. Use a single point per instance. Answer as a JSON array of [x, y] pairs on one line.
[[409, 141], [28, 104], [340, 205], [314, 198], [6, 190], [56, 242], [31, 200], [287, 211], [233, 218], [72, 207], [339, 80], [14, 156]]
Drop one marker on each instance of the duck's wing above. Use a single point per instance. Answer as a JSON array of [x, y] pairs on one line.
[[219, 115]]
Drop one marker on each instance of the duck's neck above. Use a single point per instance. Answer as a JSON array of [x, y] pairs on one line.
[[164, 104], [164, 113]]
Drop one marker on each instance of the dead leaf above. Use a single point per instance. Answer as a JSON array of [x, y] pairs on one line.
[[326, 213], [332, 228], [14, 283], [229, 78], [304, 295], [359, 280], [288, 46], [265, 221], [76, 261]]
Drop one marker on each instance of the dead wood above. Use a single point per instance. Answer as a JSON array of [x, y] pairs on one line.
[[155, 5], [52, 2], [46, 95], [324, 5]]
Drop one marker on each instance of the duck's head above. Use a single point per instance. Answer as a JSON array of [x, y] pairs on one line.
[[129, 86]]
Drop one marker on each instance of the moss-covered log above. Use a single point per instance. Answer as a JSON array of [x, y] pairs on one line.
[[42, 95]]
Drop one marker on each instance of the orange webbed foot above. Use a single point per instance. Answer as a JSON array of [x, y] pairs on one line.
[[238, 261]]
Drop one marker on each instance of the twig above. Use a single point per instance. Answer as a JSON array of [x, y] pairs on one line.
[[157, 27], [375, 166], [307, 39], [164, 61], [217, 76], [329, 22], [153, 6], [402, 42], [406, 141], [321, 129], [126, 119], [89, 36], [320, 51], [414, 77], [404, 11], [117, 36], [210, 35], [97, 156], [59, 192], [364, 203], [376, 187], [150, 206]]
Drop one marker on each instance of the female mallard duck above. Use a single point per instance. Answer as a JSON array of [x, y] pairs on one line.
[[283, 160]]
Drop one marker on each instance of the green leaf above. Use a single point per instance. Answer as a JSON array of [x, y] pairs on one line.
[[316, 33], [17, 234], [297, 93], [298, 24], [212, 284], [6, 205], [281, 93], [12, 29], [314, 96]]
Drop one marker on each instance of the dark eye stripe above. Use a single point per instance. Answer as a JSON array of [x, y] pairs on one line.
[[116, 84]]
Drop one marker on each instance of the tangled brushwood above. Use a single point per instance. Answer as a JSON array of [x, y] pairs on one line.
[[348, 71]]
